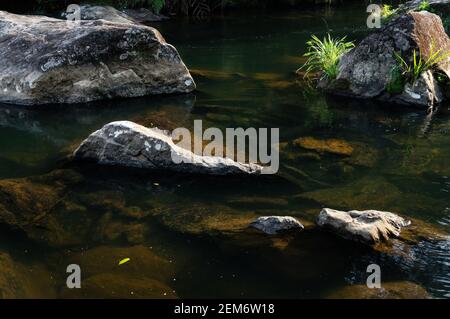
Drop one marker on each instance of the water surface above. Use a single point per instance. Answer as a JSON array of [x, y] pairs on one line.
[[186, 235]]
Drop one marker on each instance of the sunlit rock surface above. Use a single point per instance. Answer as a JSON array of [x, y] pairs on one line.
[[97, 60], [367, 70], [370, 226], [131, 145]]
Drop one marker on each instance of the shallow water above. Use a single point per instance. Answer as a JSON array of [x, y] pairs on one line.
[[185, 235]]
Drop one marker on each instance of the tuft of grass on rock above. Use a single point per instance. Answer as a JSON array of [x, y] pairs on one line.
[[324, 55]]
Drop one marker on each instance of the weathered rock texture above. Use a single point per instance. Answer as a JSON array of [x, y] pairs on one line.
[[128, 144], [369, 226], [272, 225], [366, 70], [45, 60], [108, 13]]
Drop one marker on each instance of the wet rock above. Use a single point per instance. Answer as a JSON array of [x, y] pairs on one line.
[[272, 225], [370, 226], [98, 60], [131, 145], [19, 281], [365, 71], [388, 290], [424, 90]]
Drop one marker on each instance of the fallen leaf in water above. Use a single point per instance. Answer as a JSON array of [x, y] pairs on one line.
[[123, 261]]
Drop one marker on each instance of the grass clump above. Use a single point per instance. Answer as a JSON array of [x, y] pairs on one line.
[[324, 55], [387, 12], [424, 6], [411, 72]]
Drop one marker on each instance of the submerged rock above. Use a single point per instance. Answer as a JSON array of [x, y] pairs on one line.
[[97, 60], [19, 281], [146, 275], [131, 145], [272, 225], [369, 226], [333, 146], [366, 71], [388, 290]]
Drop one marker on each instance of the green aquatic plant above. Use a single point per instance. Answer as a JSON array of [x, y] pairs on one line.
[[324, 55], [424, 6], [387, 12], [411, 72]]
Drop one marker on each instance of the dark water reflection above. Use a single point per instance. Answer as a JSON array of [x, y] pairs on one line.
[[185, 234]]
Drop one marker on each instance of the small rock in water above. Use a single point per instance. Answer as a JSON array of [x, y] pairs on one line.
[[368, 226], [275, 224]]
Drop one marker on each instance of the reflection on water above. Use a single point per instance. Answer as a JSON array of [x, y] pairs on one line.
[[186, 236]]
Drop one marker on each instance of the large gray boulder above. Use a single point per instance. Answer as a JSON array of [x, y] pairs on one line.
[[366, 71], [368, 226], [45, 60], [128, 144]]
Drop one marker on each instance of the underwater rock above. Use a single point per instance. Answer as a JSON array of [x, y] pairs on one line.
[[145, 275], [388, 290], [38, 207], [128, 144], [366, 71], [143, 262], [272, 225], [369, 226], [112, 286], [19, 281], [98, 60], [333, 146], [372, 191]]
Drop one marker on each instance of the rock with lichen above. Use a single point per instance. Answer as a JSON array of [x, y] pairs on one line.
[[98, 59], [369, 226], [128, 144], [272, 225]]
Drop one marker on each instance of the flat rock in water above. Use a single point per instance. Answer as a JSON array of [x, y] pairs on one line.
[[368, 226], [272, 225], [128, 144], [98, 59]]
